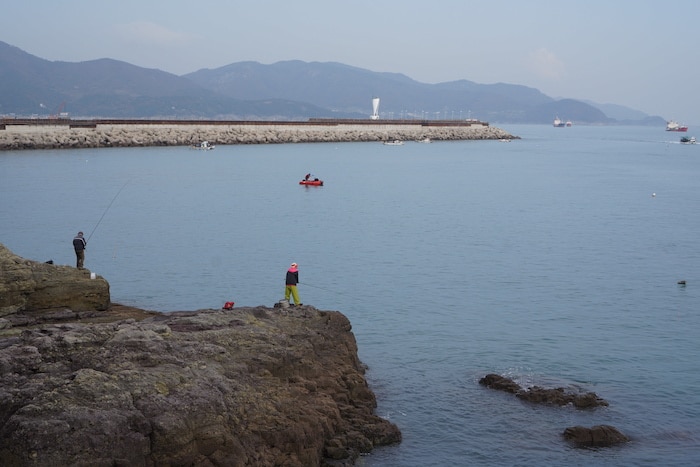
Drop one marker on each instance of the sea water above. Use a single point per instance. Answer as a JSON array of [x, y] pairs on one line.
[[554, 260]]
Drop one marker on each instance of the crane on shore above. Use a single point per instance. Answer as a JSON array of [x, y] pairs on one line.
[[59, 112]]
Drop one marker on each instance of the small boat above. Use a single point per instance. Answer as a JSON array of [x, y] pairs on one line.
[[395, 142], [204, 145], [315, 182], [310, 180], [568, 123], [558, 123], [424, 140], [504, 140], [674, 126], [686, 140]]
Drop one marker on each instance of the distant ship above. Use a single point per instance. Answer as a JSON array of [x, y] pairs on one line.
[[558, 123], [568, 123], [674, 126]]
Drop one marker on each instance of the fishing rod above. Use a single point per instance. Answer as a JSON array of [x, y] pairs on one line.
[[104, 213]]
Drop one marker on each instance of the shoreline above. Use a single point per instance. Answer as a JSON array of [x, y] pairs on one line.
[[110, 133]]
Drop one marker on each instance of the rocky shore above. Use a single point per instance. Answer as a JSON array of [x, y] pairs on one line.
[[87, 382], [97, 135]]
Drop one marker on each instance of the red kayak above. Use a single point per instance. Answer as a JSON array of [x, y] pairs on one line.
[[315, 182]]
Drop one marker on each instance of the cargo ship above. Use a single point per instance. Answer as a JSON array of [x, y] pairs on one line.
[[674, 126]]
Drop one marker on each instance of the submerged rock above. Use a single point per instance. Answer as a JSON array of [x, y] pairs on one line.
[[500, 383], [559, 396], [538, 395], [596, 436]]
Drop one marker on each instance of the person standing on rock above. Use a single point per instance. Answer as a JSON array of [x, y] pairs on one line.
[[291, 282], [79, 245]]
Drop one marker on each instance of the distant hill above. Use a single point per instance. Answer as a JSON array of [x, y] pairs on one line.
[[349, 89], [113, 89], [290, 90]]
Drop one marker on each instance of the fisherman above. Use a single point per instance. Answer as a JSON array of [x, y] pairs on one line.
[[79, 245], [291, 282]]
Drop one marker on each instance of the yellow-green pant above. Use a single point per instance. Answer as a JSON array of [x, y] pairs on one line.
[[291, 289]]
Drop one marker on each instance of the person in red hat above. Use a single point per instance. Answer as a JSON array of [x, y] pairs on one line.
[[291, 282]]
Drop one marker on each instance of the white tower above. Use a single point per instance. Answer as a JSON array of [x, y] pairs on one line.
[[375, 108]]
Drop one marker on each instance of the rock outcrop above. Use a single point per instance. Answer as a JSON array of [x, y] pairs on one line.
[[27, 285], [595, 436], [122, 386], [538, 395]]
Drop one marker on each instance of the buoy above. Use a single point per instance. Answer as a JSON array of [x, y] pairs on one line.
[[653, 195]]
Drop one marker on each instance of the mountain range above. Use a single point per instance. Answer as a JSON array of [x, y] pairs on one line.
[[289, 90]]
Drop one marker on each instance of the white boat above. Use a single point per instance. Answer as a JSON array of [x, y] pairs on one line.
[[558, 123], [204, 145], [424, 140], [568, 123], [504, 140], [395, 142]]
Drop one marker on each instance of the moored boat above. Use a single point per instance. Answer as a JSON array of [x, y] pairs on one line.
[[395, 142], [558, 123], [675, 126], [204, 145]]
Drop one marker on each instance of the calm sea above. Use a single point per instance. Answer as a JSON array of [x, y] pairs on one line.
[[554, 260]]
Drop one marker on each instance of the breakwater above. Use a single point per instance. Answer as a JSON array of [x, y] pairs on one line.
[[58, 134]]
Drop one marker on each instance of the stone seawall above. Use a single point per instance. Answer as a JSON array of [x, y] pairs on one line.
[[16, 137]]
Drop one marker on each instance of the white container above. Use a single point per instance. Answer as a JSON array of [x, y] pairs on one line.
[[93, 275]]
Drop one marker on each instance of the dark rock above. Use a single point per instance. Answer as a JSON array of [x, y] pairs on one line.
[[558, 396], [596, 436], [538, 395], [27, 285], [122, 386], [500, 383]]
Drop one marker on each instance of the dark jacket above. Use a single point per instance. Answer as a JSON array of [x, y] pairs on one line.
[[79, 243], [292, 277]]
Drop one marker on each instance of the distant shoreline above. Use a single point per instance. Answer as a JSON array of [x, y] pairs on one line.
[[67, 134]]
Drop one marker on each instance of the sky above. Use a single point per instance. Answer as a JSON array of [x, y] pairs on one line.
[[635, 53]]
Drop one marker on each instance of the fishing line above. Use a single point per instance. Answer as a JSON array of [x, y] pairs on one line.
[[104, 213], [321, 288]]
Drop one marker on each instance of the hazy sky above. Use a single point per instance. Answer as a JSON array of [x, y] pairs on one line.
[[636, 53]]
